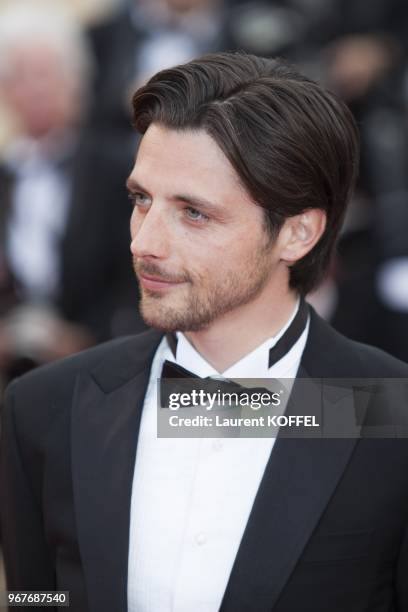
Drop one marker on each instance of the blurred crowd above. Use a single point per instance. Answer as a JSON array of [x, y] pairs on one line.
[[67, 73]]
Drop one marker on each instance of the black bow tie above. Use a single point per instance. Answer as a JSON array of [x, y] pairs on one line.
[[178, 380]]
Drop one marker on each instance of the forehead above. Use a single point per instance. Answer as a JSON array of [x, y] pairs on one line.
[[176, 160]]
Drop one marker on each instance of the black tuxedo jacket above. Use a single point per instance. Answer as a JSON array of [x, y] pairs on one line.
[[327, 531]]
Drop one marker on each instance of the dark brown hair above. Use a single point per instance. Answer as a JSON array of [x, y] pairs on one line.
[[293, 144]]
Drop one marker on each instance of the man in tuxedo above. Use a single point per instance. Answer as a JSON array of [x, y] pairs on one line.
[[240, 186]]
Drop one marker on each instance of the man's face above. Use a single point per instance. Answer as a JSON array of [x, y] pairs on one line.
[[200, 248]]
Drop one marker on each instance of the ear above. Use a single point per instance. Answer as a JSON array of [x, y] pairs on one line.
[[299, 234]]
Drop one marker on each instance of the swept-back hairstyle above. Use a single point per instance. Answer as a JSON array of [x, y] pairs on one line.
[[293, 144]]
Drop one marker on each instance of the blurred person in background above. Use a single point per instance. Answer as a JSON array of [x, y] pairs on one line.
[[58, 284], [365, 64], [143, 37]]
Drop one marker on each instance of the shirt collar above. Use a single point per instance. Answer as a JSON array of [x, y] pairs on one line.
[[252, 365]]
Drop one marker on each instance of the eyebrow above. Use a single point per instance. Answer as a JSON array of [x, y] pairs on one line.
[[133, 185], [195, 201]]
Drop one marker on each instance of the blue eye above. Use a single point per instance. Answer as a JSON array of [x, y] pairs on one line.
[[195, 215], [139, 199]]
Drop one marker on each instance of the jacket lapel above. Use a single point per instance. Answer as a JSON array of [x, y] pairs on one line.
[[104, 430], [299, 479]]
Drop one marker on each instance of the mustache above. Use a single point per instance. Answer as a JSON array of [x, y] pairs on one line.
[[151, 269]]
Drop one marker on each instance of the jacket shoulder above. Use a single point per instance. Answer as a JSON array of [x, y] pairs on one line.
[[379, 363], [121, 357], [330, 354]]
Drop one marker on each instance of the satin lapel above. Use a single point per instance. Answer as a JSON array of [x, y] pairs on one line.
[[299, 479], [104, 431]]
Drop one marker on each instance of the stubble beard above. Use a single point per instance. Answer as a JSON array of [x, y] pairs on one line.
[[200, 302]]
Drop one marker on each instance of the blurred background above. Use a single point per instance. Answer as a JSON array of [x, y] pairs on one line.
[[67, 72]]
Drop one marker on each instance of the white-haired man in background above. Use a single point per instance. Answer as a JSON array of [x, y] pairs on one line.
[[44, 70], [53, 280]]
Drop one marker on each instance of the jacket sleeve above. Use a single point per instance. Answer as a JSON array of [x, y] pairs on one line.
[[26, 556]]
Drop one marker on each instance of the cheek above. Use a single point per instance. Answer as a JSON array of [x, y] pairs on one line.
[[134, 225], [211, 262], [213, 254]]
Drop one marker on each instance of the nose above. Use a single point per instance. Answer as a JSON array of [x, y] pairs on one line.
[[149, 233]]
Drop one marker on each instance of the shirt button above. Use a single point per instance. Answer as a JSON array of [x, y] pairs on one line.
[[217, 444], [201, 538]]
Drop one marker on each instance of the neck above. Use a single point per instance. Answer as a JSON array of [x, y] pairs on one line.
[[237, 333]]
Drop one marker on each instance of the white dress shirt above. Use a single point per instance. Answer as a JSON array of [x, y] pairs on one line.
[[191, 498], [40, 206]]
